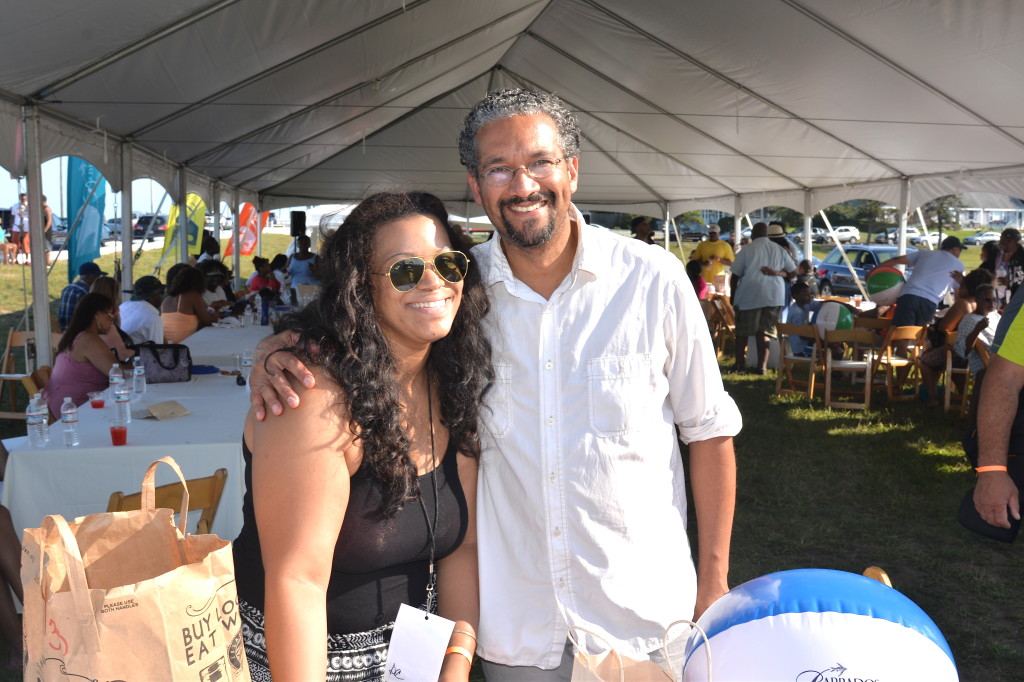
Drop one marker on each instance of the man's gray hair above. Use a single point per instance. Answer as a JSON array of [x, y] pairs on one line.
[[516, 102]]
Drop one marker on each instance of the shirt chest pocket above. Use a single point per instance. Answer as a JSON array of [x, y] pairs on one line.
[[620, 388], [497, 412]]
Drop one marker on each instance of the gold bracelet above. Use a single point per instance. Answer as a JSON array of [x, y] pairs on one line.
[[460, 650], [467, 633]]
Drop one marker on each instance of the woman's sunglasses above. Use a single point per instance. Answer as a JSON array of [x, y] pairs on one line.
[[405, 274]]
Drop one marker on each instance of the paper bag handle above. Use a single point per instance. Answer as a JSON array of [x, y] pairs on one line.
[[149, 489], [70, 557], [707, 644]]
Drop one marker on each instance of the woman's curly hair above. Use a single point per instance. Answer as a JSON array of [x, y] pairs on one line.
[[339, 332]]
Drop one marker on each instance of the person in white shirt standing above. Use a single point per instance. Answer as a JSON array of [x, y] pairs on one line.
[[600, 350], [140, 317], [19, 227]]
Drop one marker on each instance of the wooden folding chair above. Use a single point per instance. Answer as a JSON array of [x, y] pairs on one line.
[[857, 359], [203, 495], [812, 363], [957, 379], [898, 360], [16, 344], [36, 382], [726, 324]]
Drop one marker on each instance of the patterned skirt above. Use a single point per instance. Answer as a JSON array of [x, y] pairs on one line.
[[357, 657]]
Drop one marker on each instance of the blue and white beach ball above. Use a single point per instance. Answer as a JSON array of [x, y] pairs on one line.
[[812, 625]]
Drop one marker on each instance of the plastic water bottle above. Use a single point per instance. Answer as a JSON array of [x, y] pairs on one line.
[[265, 311], [36, 416], [138, 377], [69, 420], [116, 377], [123, 402]]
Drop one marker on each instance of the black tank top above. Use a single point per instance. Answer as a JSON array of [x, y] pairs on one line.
[[379, 563]]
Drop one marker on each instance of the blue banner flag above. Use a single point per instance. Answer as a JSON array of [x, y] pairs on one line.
[[87, 195]]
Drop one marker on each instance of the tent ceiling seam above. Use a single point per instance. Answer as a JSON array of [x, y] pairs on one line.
[[340, 124], [383, 128], [821, 21], [266, 73], [739, 86], [633, 137], [640, 98], [358, 86], [142, 43]]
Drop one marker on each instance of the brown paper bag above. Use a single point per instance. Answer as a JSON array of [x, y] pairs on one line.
[[611, 666], [128, 596]]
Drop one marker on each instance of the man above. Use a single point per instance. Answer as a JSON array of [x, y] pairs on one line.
[[140, 317], [714, 255], [73, 293], [1010, 264], [934, 273], [762, 267], [19, 227], [641, 230], [601, 350], [996, 494]]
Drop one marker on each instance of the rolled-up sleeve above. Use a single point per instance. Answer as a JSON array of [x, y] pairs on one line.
[[701, 407]]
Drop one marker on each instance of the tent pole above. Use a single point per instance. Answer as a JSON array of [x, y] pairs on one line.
[[236, 227], [670, 222], [37, 247], [258, 204], [807, 225], [903, 209], [182, 231], [127, 261], [737, 221]]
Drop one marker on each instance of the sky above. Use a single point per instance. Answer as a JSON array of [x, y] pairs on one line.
[[146, 194]]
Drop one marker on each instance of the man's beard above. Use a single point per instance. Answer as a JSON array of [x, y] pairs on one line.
[[517, 237]]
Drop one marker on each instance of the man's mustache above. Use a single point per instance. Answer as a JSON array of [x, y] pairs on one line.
[[533, 198]]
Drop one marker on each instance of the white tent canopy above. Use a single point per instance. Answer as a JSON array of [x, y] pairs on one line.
[[685, 104], [694, 104]]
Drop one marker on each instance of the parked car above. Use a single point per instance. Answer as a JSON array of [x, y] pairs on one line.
[[932, 238], [819, 235], [846, 233], [59, 233], [159, 226], [892, 234], [835, 278], [981, 238]]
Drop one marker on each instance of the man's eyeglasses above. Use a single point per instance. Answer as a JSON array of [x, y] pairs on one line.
[[499, 176], [405, 274], [988, 299]]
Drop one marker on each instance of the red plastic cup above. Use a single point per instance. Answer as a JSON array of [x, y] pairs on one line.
[[119, 435]]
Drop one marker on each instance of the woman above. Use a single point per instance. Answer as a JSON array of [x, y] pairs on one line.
[[343, 525], [302, 264], [264, 276], [83, 358], [115, 338], [184, 311]]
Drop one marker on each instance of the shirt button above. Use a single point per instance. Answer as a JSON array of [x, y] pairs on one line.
[[557, 532], [551, 477], [551, 421], [561, 582], [548, 364]]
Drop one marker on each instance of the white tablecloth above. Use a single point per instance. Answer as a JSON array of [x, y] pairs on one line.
[[78, 481], [217, 345]]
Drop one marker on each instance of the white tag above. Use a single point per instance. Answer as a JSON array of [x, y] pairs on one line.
[[417, 645]]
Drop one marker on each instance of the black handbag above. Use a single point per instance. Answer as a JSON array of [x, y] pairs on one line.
[[165, 363]]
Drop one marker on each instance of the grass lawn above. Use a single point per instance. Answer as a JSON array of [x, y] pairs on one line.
[[839, 490]]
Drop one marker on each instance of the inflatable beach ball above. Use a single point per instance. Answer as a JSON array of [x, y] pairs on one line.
[[885, 284], [832, 315], [816, 625]]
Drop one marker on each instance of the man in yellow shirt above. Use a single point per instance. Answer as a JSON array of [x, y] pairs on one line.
[[714, 255]]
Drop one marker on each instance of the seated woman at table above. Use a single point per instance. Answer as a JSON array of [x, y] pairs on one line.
[[83, 358], [344, 524], [264, 276], [184, 311], [115, 338]]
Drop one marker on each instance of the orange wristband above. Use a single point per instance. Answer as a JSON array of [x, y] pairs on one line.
[[994, 467], [460, 650]]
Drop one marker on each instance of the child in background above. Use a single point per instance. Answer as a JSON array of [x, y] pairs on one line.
[[699, 285]]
